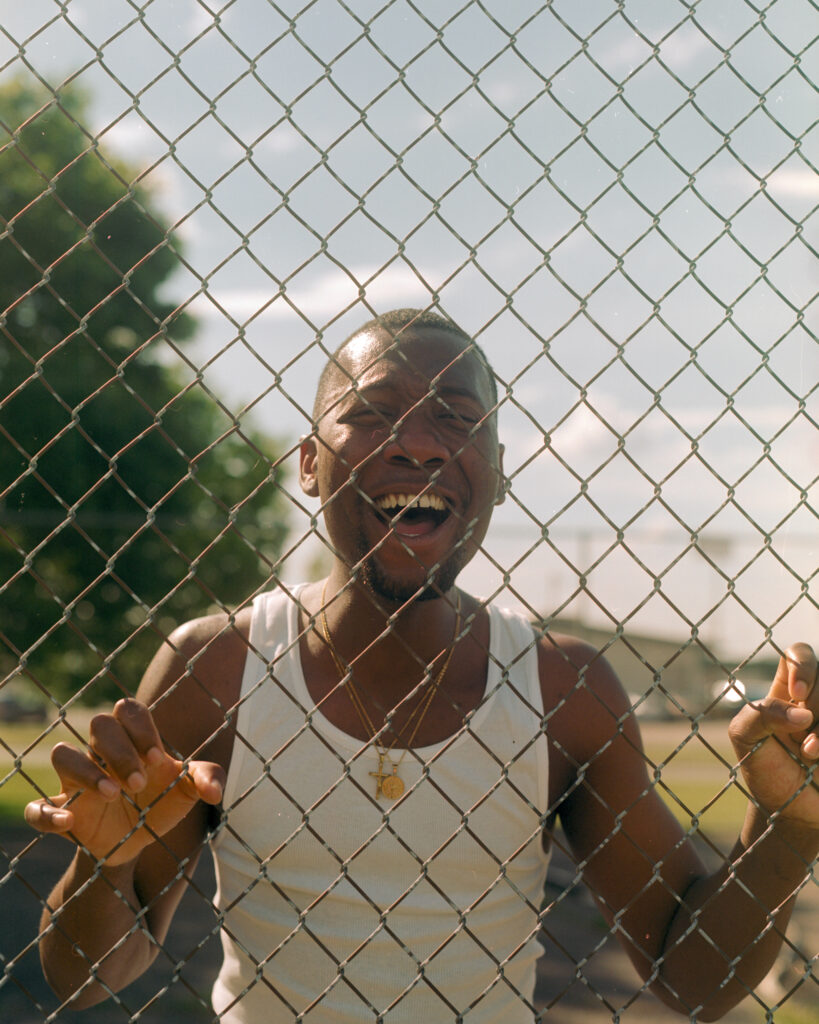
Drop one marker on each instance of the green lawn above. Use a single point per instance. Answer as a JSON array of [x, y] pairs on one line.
[[19, 786], [795, 1014], [725, 814], [696, 776], [17, 790]]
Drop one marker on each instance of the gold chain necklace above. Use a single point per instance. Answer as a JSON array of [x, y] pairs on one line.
[[388, 784]]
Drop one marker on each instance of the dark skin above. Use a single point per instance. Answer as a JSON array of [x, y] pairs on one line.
[[390, 437]]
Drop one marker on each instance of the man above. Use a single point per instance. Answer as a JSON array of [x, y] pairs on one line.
[[391, 755]]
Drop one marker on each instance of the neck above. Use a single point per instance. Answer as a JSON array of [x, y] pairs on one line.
[[396, 657], [389, 645]]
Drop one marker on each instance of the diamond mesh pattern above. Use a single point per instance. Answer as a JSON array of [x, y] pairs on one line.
[[616, 199]]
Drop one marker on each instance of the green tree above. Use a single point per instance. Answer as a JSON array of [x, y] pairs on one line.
[[129, 501]]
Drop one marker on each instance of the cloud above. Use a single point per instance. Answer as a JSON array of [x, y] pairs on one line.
[[324, 296], [795, 182]]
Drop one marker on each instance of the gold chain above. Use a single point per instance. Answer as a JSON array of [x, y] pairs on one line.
[[388, 785]]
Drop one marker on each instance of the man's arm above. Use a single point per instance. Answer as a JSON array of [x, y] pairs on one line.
[[137, 813], [744, 908], [102, 923], [700, 940]]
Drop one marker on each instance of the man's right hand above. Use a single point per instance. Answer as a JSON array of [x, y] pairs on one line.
[[125, 791]]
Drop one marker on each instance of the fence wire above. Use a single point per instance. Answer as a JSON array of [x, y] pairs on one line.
[[616, 200]]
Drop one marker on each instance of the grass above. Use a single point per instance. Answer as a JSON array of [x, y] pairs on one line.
[[726, 813], [697, 777], [17, 791], [19, 737], [794, 1014], [18, 787]]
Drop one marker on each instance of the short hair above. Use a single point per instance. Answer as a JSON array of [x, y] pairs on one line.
[[394, 323]]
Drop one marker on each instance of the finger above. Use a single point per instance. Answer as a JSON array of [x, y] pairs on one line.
[[795, 677], [208, 779], [773, 717], [77, 770], [138, 722], [113, 745], [769, 717], [810, 747], [49, 815]]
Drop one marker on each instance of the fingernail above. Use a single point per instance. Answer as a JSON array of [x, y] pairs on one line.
[[800, 690], [810, 748], [59, 818], [799, 716], [108, 788], [136, 781], [154, 756]]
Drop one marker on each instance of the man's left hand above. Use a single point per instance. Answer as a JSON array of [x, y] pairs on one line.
[[777, 741]]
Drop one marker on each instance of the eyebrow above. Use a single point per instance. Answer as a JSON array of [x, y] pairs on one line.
[[457, 392], [370, 391], [436, 388]]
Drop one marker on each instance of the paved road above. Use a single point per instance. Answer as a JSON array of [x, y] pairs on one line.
[[27, 871], [604, 985]]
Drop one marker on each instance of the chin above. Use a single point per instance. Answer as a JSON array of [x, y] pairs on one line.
[[398, 590]]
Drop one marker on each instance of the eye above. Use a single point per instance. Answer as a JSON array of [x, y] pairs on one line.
[[466, 418], [370, 413]]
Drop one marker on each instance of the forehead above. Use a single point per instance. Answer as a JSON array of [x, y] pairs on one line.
[[418, 360]]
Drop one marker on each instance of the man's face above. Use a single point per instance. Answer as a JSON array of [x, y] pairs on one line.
[[406, 461]]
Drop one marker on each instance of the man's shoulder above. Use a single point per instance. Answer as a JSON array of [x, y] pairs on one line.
[[195, 678], [214, 648], [562, 657], [206, 656], [211, 635], [583, 698], [563, 652], [574, 674]]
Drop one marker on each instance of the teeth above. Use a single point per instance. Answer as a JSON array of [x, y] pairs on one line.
[[402, 500]]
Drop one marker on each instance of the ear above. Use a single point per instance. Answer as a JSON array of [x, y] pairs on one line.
[[499, 500], [308, 466]]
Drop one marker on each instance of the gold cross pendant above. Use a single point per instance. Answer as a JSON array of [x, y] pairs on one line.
[[379, 776], [387, 784]]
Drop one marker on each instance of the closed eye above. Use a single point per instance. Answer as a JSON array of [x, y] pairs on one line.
[[370, 413], [461, 416]]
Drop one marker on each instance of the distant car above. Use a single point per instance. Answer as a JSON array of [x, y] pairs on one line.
[[12, 709]]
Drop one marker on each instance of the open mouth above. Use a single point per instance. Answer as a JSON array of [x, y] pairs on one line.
[[412, 515]]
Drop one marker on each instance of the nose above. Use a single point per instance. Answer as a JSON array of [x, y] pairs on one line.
[[416, 441]]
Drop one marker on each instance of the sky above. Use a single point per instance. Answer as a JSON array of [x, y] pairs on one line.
[[616, 199]]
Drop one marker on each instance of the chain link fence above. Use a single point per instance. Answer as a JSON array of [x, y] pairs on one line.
[[617, 200]]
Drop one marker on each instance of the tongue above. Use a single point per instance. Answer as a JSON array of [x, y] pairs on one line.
[[417, 523]]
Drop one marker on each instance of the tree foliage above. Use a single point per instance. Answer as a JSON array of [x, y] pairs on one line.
[[129, 501]]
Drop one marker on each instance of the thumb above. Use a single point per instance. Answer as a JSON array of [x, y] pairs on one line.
[[208, 779], [757, 721], [796, 673]]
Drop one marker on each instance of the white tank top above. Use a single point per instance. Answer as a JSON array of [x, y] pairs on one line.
[[339, 908]]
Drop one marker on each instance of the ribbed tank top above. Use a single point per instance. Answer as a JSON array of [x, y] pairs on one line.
[[339, 908]]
